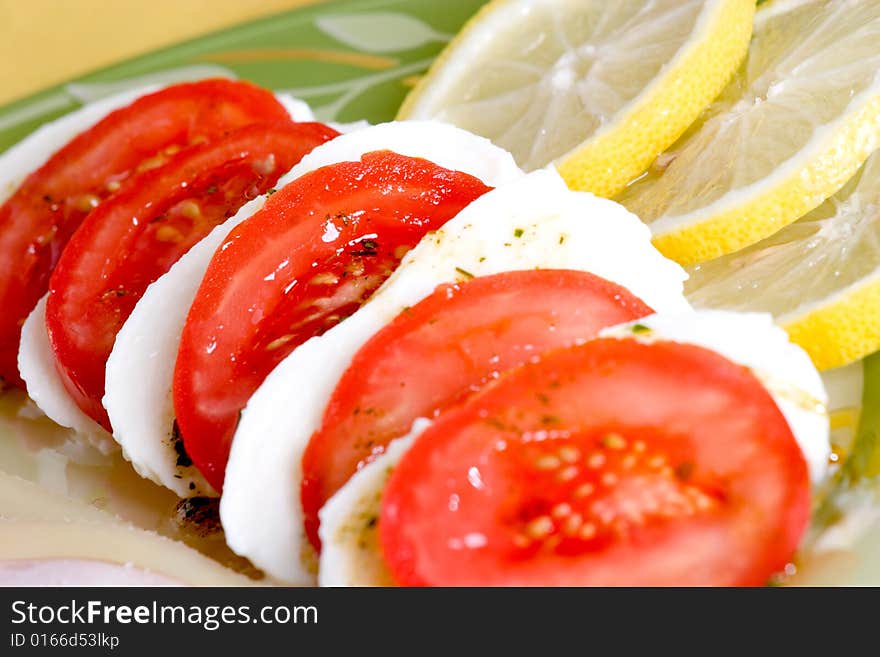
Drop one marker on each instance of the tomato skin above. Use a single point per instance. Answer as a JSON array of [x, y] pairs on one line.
[[111, 259], [472, 332], [657, 464], [40, 217], [323, 244]]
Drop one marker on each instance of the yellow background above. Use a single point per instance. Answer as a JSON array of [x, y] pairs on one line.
[[43, 42]]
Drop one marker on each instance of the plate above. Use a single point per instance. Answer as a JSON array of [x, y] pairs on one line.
[[352, 60]]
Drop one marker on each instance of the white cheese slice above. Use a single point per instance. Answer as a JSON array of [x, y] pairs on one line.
[[350, 554], [36, 364]]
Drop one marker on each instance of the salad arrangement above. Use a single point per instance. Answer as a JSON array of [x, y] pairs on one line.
[[429, 352]]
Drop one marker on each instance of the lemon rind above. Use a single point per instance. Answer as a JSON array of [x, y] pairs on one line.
[[840, 329]]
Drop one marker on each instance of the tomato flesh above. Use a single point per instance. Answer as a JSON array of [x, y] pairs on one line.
[[311, 257], [470, 332], [614, 463], [111, 259], [42, 214]]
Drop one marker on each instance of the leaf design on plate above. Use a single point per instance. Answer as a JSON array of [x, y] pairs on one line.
[[346, 91], [359, 59], [379, 31], [86, 92], [10, 117]]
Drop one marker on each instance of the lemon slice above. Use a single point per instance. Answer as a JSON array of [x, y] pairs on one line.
[[599, 87], [820, 277], [798, 120]]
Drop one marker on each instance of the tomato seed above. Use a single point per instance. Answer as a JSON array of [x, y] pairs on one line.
[[547, 462], [190, 209], [573, 524], [86, 202], [584, 490], [279, 342], [169, 234], [568, 473], [540, 527], [325, 278], [587, 531], [561, 510], [570, 454], [151, 163], [614, 441]]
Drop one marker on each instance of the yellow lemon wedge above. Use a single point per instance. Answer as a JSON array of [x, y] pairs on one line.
[[797, 121], [600, 88], [820, 277]]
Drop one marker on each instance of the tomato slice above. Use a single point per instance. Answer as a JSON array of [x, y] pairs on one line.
[[614, 463], [39, 218], [472, 331], [112, 258], [311, 257]]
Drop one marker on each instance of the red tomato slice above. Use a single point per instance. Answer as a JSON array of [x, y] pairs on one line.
[[614, 463], [311, 257], [40, 217], [111, 259], [472, 331]]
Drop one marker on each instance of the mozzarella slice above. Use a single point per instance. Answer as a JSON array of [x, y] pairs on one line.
[[534, 222], [140, 370], [36, 362], [753, 340], [350, 554], [299, 110], [441, 143]]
